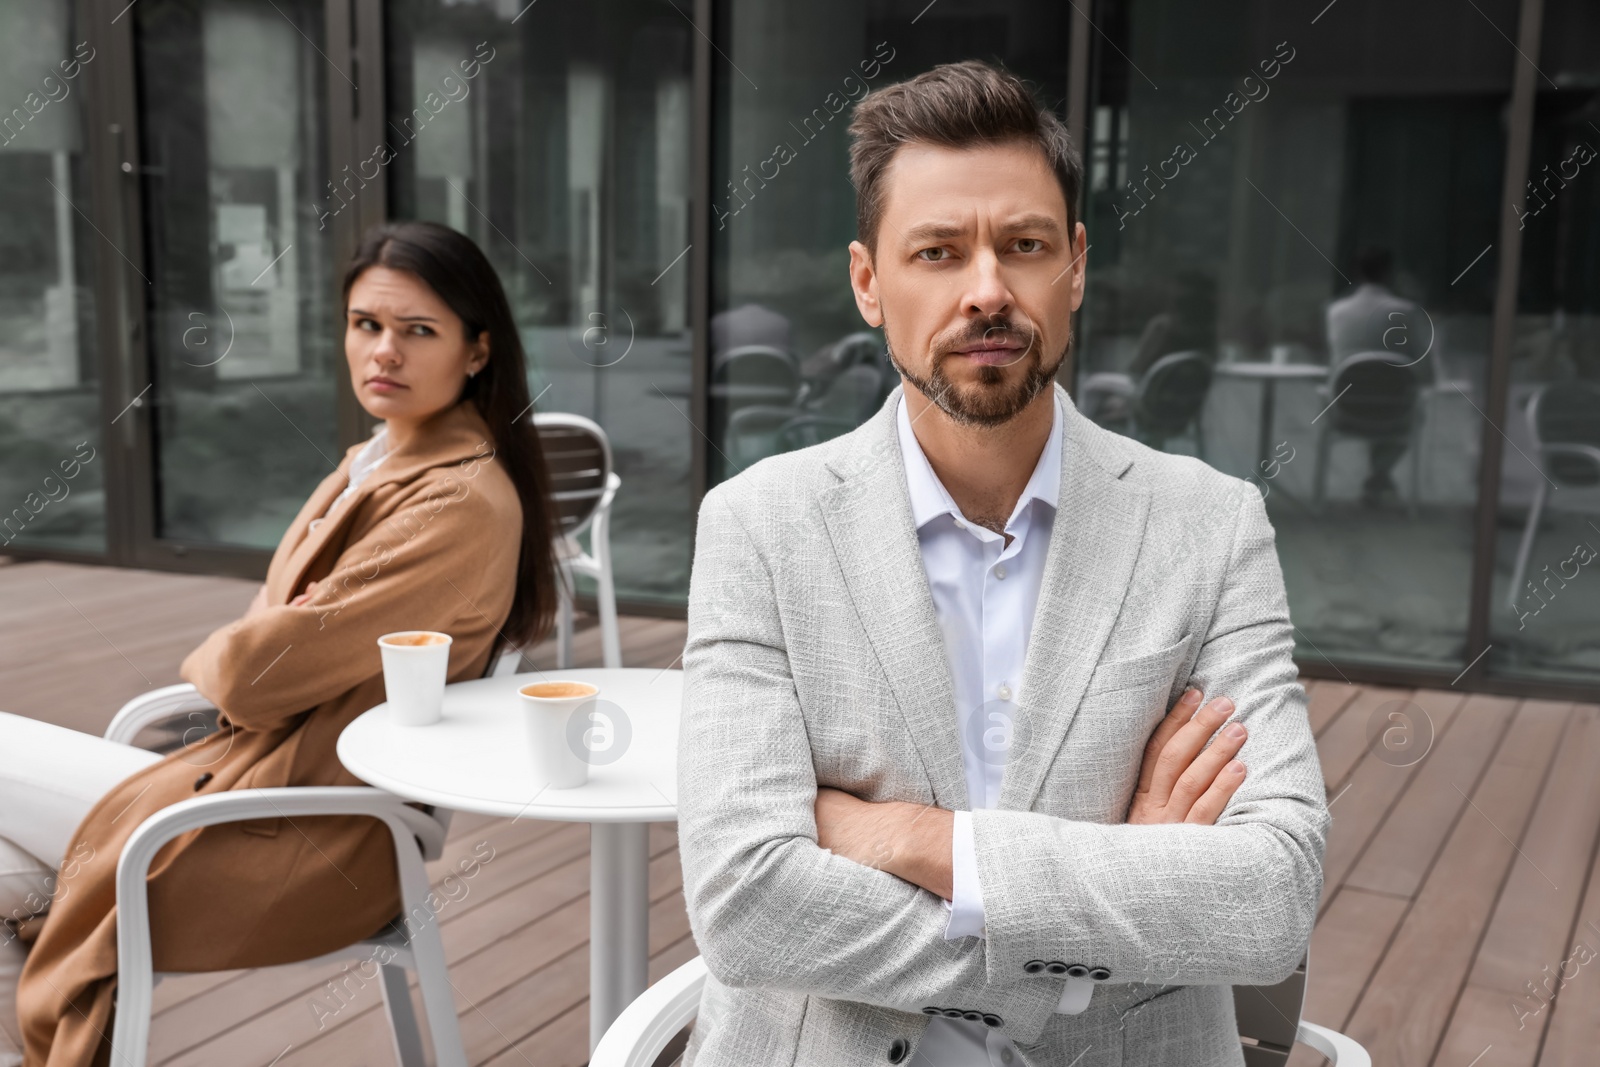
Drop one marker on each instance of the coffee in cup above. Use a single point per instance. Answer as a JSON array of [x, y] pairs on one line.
[[416, 664], [547, 709]]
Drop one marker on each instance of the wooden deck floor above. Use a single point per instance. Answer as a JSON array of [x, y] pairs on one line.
[[1451, 883]]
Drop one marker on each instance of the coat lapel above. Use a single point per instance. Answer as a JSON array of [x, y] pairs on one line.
[[455, 435], [1095, 538], [868, 518]]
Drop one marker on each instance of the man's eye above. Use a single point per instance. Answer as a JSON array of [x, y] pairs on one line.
[[423, 328], [1033, 244], [938, 254]]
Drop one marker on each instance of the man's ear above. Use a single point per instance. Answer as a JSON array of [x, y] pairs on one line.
[[864, 283]]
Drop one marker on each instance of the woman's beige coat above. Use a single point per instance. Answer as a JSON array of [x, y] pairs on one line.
[[429, 540]]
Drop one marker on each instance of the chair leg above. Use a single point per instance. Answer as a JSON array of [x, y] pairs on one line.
[[564, 620], [402, 1016], [1319, 480], [1525, 548], [1416, 470], [610, 635], [433, 977]]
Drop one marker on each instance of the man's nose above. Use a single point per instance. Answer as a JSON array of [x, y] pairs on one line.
[[987, 292]]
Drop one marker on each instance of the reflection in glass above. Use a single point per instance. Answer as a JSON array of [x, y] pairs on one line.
[[792, 363], [52, 489], [1305, 209], [243, 337], [1545, 608], [558, 138]]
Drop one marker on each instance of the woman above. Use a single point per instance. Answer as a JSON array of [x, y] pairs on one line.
[[441, 521]]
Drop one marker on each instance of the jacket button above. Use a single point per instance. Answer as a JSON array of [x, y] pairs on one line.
[[1033, 966], [1077, 970], [1057, 967], [990, 1019], [951, 1013], [1099, 974], [930, 1010], [202, 780], [972, 1016], [898, 1049]]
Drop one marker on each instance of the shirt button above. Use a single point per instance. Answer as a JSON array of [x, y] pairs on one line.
[[1005, 1055], [999, 570], [960, 525], [1005, 691]]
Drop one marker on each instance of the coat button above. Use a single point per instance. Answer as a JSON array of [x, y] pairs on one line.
[[1077, 970], [898, 1049], [930, 1010], [990, 1019], [1056, 967], [1099, 974], [951, 1013], [202, 780], [972, 1016], [1033, 966]]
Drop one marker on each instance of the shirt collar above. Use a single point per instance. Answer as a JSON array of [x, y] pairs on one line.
[[929, 498]]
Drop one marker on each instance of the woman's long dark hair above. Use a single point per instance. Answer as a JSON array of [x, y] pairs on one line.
[[457, 270]]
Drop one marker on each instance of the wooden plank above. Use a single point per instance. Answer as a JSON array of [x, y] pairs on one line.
[[1346, 945], [1325, 700], [1530, 935], [1573, 1021], [1404, 1010], [1365, 801], [1344, 742], [1405, 846]]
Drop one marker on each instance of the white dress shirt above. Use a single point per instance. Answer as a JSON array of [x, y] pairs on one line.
[[374, 452], [984, 594]]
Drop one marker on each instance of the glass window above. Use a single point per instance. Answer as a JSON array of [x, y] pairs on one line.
[[52, 481], [1291, 220], [562, 148], [792, 363], [244, 337], [1545, 606]]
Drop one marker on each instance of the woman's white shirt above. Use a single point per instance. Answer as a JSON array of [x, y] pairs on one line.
[[373, 453]]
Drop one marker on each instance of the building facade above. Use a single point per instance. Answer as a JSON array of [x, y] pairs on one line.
[[1349, 251]]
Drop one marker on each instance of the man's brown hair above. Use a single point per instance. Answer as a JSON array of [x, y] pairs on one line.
[[956, 105]]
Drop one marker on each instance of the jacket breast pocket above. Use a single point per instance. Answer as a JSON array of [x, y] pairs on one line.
[[1156, 671]]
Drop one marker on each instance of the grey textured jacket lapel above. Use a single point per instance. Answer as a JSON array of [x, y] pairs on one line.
[[1098, 528]]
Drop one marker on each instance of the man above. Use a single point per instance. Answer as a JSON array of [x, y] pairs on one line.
[[925, 760], [1373, 319]]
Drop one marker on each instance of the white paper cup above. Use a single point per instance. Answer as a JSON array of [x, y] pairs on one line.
[[415, 665], [557, 762]]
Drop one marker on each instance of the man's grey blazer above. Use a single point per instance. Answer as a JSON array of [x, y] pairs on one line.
[[814, 658]]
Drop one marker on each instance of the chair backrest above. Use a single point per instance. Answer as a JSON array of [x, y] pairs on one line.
[[852, 396], [756, 367], [577, 455], [1269, 1017], [1376, 395], [1172, 392], [1567, 413]]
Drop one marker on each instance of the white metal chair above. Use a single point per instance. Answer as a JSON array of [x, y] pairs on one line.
[[418, 836], [583, 484], [1564, 422], [652, 1032]]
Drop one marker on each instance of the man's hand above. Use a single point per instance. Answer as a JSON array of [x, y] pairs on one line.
[[1180, 780]]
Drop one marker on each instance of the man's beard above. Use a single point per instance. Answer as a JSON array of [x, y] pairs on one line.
[[991, 403]]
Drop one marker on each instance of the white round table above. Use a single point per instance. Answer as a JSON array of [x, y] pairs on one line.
[[1269, 375], [476, 759]]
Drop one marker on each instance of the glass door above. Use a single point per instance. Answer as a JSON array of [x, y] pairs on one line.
[[242, 352], [52, 478]]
